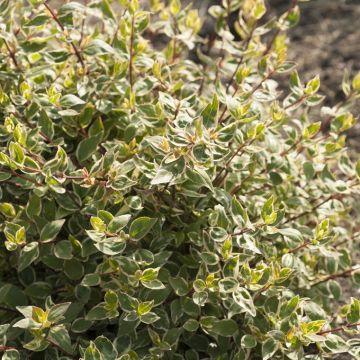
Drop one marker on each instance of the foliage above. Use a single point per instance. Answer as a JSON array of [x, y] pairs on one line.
[[163, 194]]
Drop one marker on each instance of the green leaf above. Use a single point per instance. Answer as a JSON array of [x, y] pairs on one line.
[[334, 289], [33, 207], [118, 223], [73, 269], [209, 258], [149, 274], [292, 16], [111, 298], [12, 354], [357, 168], [243, 298], [46, 124], [57, 311], [37, 21], [248, 342], [97, 224], [141, 226], [16, 152], [71, 100], [149, 318], [226, 327], [239, 214], [259, 9], [153, 284], [200, 178], [356, 82], [80, 325], [210, 113], [289, 307], [99, 47], [309, 170], [92, 353], [191, 325], [87, 147], [180, 285], [7, 210], [353, 316], [295, 84], [312, 327], [91, 280], [311, 130], [175, 6], [162, 176], [97, 313], [313, 86], [106, 348], [145, 307], [268, 213], [269, 348], [28, 254], [228, 285], [60, 336], [63, 250], [51, 230]]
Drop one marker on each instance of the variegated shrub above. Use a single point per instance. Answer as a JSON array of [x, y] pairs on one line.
[[164, 193]]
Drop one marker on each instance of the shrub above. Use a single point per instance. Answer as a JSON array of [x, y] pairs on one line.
[[154, 206]]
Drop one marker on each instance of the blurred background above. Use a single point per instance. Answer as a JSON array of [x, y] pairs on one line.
[[325, 42]]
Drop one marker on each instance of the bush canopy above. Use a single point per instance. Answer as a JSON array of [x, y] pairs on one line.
[[165, 195]]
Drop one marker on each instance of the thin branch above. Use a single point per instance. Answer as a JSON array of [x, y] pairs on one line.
[[302, 246], [12, 54], [299, 100], [271, 43], [246, 230], [331, 197], [266, 287], [242, 182], [240, 151], [31, 126], [21, 176], [217, 178], [267, 50], [277, 32], [267, 77], [294, 145], [353, 237], [4, 348], [56, 19], [247, 42], [342, 274], [338, 329], [117, 28]]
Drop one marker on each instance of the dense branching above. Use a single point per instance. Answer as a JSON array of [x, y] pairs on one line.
[[166, 195]]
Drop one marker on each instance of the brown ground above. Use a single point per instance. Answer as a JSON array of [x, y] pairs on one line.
[[326, 42]]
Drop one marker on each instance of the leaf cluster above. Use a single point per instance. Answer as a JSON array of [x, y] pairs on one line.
[[153, 206]]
